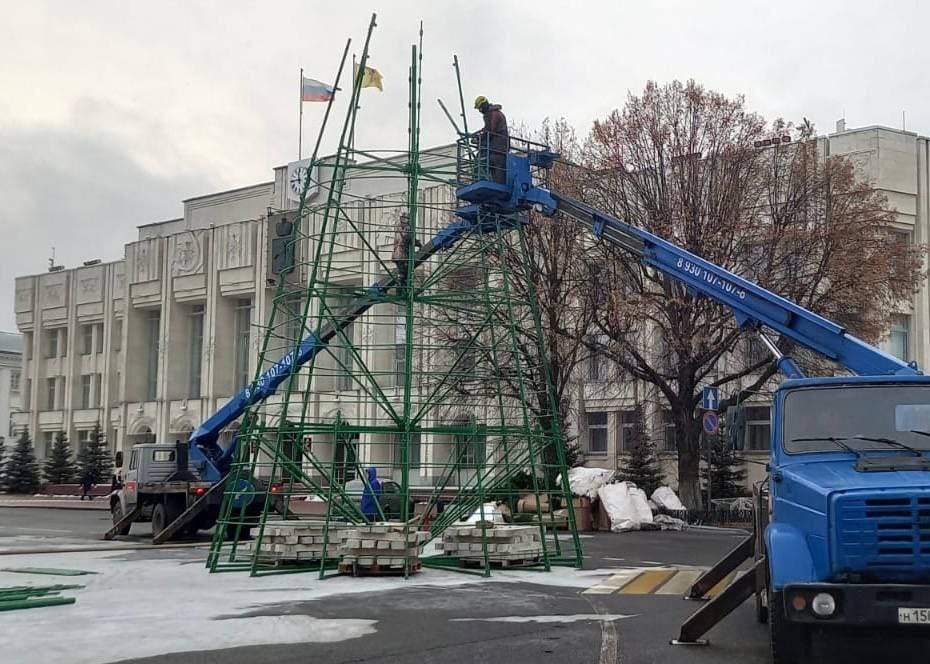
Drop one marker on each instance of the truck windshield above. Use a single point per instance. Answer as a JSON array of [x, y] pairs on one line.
[[871, 411]]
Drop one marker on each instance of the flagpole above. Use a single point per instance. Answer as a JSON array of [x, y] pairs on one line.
[[300, 122], [352, 134]]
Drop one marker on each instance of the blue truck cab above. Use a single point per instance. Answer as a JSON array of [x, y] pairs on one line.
[[848, 534]]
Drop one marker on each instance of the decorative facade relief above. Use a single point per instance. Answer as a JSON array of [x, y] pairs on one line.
[[235, 245], [53, 290], [25, 290], [187, 253], [119, 280], [89, 284], [144, 258], [862, 165]]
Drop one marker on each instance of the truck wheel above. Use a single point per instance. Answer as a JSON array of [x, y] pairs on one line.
[[789, 640], [159, 519], [173, 509], [117, 511]]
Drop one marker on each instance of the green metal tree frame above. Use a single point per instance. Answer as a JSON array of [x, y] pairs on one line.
[[432, 384]]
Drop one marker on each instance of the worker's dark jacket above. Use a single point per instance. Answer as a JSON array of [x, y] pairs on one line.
[[403, 238], [495, 129], [494, 142]]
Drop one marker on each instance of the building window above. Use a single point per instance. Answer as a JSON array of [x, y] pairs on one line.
[[345, 359], [98, 391], [51, 393], [756, 351], [243, 349], [294, 326], [87, 387], [27, 395], [668, 432], [900, 253], [153, 327], [598, 365], [343, 346], [84, 438], [196, 351], [597, 433], [51, 344], [400, 348], [87, 339], [413, 460], [471, 449], [48, 439], [14, 381], [98, 338], [899, 339], [629, 421], [116, 343], [464, 357], [758, 428]]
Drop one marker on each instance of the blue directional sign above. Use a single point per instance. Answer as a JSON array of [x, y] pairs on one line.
[[710, 398], [711, 421]]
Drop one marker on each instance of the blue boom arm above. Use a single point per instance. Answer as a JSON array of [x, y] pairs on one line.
[[752, 305]]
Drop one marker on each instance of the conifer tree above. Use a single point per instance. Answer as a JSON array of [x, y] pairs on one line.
[[726, 475], [641, 466], [21, 469], [95, 464], [59, 468]]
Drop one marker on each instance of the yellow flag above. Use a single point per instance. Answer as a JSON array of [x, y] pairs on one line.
[[371, 78]]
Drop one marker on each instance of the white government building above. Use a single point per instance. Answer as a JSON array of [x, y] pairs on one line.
[[153, 344], [11, 359]]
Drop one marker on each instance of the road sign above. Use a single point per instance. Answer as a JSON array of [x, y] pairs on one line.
[[711, 421], [710, 398]]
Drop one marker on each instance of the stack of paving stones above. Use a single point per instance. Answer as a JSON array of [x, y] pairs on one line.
[[507, 546], [381, 548], [285, 542]]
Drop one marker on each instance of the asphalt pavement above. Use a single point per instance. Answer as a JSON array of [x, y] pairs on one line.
[[31, 529], [508, 622]]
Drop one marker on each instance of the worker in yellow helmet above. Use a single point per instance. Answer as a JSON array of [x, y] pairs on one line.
[[493, 140]]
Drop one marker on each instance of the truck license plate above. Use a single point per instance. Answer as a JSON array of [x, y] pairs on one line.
[[913, 616]]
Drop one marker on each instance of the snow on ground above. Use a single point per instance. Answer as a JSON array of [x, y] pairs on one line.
[[170, 603]]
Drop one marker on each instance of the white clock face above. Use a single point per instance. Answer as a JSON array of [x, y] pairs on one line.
[[297, 180]]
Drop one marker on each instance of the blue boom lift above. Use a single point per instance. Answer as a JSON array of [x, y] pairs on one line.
[[842, 527]]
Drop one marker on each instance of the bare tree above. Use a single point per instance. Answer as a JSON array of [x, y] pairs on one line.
[[700, 170]]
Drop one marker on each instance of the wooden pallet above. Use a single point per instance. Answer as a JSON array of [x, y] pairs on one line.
[[499, 563], [355, 569]]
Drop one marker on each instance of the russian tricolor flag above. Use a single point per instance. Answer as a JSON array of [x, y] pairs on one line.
[[313, 90]]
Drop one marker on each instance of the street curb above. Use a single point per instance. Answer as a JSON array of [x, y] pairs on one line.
[[97, 548], [53, 506], [720, 529]]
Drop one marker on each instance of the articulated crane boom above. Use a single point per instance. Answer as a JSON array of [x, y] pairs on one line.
[[753, 306], [843, 448]]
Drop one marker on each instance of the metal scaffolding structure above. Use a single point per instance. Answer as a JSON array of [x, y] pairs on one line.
[[431, 367]]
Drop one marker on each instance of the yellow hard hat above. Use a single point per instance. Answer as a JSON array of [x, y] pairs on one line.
[[480, 100]]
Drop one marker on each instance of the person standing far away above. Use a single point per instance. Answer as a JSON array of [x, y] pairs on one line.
[[493, 140], [370, 495], [403, 238]]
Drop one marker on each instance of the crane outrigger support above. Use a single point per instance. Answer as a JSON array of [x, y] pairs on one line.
[[724, 567], [743, 587]]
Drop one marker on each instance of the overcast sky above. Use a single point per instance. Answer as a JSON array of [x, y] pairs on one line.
[[112, 113]]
